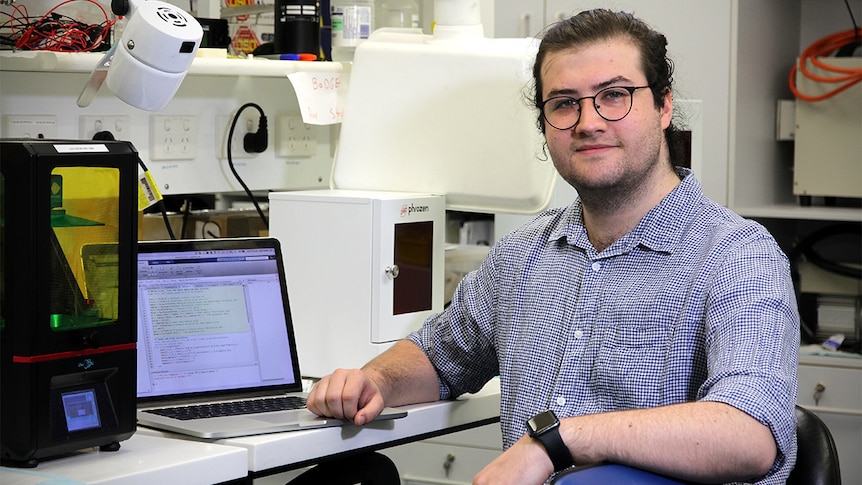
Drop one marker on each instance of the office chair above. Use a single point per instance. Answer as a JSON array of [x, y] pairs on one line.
[[816, 461], [816, 456], [366, 469]]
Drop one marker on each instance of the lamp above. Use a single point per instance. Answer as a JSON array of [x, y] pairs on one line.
[[149, 62]]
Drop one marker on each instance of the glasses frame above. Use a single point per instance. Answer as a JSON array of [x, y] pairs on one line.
[[630, 89]]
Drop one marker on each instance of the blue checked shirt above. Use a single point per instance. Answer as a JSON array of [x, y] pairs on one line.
[[694, 304]]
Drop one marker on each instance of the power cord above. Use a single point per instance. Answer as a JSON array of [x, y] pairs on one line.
[[108, 136], [161, 204], [805, 248], [252, 143]]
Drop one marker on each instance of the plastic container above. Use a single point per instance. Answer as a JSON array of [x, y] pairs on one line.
[[352, 23], [398, 13]]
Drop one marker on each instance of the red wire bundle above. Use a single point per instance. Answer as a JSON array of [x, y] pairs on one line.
[[816, 54], [53, 33]]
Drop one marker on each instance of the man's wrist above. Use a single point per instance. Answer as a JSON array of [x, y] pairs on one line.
[[544, 427]]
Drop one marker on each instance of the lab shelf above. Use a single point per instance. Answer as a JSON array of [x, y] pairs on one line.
[[84, 62]]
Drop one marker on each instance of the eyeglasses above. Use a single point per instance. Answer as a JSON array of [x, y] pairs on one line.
[[612, 104]]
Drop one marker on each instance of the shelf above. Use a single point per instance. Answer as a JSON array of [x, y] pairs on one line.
[[84, 62], [797, 212]]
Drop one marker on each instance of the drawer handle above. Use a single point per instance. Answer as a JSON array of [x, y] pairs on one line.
[[818, 392], [447, 464]]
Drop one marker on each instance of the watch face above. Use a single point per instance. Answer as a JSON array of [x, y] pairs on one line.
[[542, 422]]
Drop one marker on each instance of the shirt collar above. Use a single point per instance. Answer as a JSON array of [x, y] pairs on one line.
[[659, 230]]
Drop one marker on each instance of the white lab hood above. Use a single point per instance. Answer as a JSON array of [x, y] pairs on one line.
[[448, 116]]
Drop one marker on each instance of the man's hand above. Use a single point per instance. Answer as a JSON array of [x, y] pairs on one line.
[[524, 463], [347, 394]]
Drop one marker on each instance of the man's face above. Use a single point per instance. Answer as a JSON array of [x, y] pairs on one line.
[[597, 154]]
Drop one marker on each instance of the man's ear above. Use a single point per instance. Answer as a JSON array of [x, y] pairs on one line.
[[666, 109]]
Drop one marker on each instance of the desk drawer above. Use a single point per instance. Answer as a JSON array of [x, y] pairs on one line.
[[840, 407], [425, 463], [840, 391]]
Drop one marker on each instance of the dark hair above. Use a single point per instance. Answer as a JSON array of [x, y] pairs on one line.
[[600, 24]]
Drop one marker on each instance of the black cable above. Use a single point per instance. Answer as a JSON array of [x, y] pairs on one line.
[[852, 19], [849, 49], [187, 211], [805, 248], [162, 207], [261, 133]]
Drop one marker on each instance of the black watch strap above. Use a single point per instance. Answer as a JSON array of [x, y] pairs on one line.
[[556, 448]]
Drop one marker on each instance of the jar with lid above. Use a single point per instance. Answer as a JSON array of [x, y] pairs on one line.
[[352, 22]]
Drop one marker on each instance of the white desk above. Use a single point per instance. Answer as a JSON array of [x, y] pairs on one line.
[[141, 459], [275, 452]]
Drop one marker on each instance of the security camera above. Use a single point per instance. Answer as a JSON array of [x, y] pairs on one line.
[[149, 62]]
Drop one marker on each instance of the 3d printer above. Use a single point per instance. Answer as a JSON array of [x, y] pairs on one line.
[[68, 237]]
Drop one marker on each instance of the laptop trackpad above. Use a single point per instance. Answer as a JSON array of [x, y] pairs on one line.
[[300, 419]]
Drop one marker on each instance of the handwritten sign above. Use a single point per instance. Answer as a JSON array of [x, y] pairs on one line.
[[320, 95]]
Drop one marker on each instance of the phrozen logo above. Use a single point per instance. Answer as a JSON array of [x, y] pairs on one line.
[[407, 210]]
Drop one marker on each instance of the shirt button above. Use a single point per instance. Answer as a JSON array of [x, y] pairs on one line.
[[561, 401], [597, 266], [579, 333]]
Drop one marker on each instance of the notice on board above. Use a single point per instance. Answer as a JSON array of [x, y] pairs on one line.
[[320, 95]]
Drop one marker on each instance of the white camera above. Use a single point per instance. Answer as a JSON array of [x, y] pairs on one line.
[[149, 62], [151, 59]]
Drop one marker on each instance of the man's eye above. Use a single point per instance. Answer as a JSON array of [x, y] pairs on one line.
[[565, 104], [614, 94]]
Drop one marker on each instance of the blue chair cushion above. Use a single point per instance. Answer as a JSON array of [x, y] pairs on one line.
[[611, 473]]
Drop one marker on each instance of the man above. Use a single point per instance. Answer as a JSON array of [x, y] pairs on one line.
[[658, 326]]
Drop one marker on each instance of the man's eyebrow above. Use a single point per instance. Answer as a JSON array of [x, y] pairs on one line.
[[596, 88]]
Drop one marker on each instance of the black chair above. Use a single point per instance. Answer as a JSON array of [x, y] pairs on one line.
[[367, 469], [817, 456]]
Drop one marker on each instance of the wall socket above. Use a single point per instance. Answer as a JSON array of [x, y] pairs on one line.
[[29, 126], [173, 137], [118, 125], [294, 138], [245, 124]]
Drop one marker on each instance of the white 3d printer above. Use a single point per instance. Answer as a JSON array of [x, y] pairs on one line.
[[431, 122]]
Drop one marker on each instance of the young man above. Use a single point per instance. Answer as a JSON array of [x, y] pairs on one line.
[[659, 327]]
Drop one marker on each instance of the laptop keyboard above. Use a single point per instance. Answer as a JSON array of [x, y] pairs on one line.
[[233, 408]]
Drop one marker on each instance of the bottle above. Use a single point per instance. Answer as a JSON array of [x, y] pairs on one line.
[[398, 13], [352, 23]]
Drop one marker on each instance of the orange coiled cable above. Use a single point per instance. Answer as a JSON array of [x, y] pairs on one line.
[[815, 54]]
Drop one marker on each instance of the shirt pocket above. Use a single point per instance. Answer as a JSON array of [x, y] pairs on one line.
[[631, 367]]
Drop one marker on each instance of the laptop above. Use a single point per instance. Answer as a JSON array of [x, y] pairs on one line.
[[215, 331]]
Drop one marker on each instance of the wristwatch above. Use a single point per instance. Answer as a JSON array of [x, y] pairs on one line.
[[545, 427]]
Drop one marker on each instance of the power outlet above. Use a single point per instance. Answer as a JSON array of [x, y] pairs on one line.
[[294, 138], [173, 137], [118, 125], [29, 126], [245, 124]]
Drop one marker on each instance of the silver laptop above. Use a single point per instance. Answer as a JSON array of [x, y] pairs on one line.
[[216, 348]]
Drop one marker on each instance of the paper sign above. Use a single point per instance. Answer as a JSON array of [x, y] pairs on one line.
[[320, 95]]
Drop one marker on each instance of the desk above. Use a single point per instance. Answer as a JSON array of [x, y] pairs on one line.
[[152, 456], [141, 459], [272, 453]]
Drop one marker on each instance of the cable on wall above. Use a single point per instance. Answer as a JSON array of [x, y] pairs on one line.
[[252, 143]]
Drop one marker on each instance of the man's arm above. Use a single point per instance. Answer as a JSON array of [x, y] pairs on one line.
[[401, 375], [700, 441]]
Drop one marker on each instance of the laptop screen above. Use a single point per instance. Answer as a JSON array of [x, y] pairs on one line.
[[213, 317]]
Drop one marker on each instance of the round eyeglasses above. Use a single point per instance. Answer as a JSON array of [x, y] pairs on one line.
[[612, 104]]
